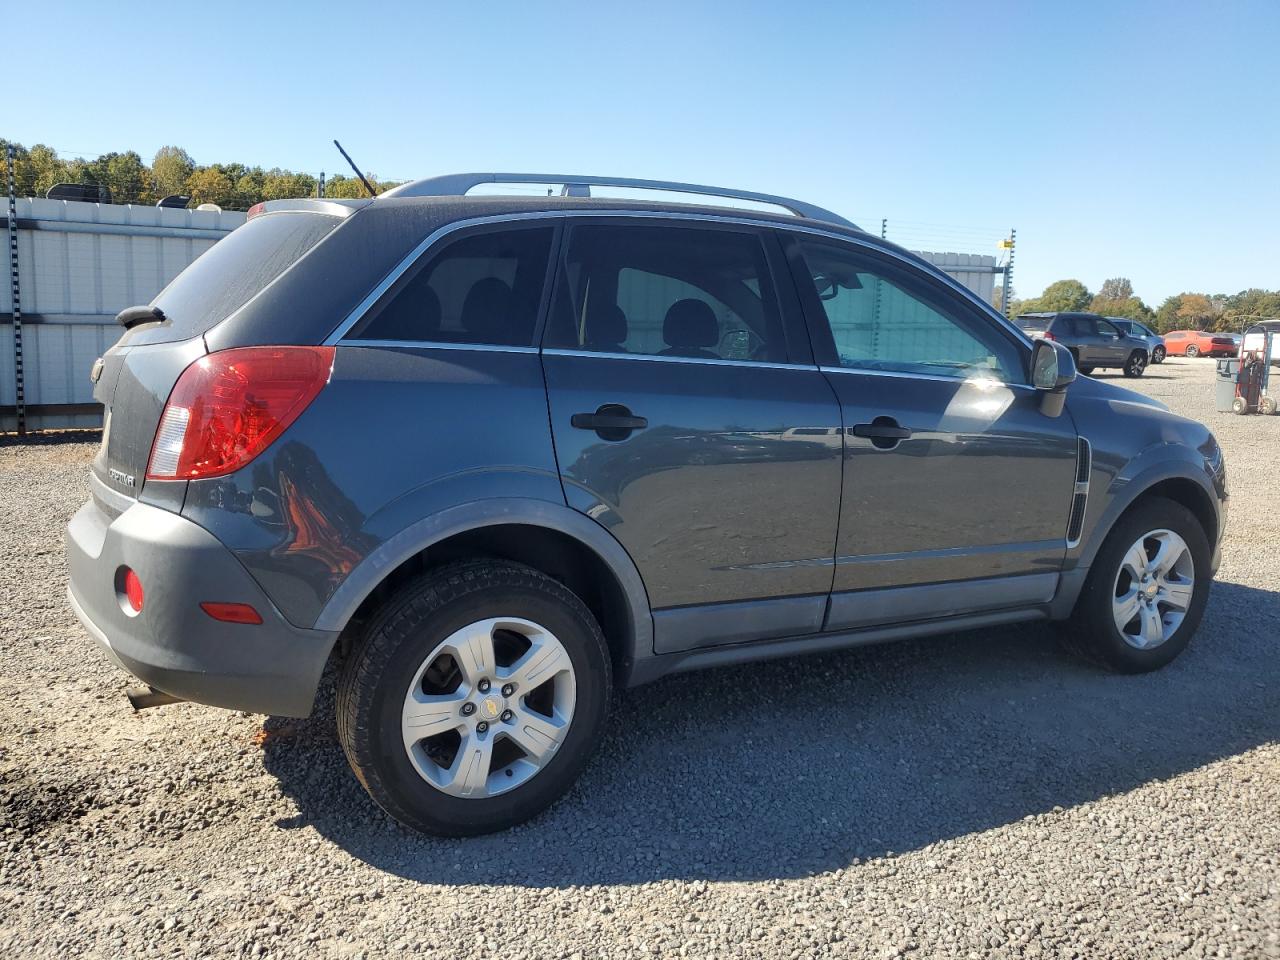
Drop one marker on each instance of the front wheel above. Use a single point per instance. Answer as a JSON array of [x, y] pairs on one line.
[[1158, 355], [1136, 365], [1146, 590], [1193, 351], [475, 698]]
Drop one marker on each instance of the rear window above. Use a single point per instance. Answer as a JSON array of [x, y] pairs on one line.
[[1033, 324], [228, 275], [482, 289]]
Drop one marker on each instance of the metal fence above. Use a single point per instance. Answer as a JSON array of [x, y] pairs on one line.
[[78, 264]]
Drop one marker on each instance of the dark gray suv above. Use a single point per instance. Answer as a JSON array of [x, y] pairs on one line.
[[1094, 341], [497, 457]]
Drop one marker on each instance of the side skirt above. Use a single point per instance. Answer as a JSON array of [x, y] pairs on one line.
[[653, 668]]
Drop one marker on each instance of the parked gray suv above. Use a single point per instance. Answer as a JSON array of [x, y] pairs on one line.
[[497, 457], [1094, 341]]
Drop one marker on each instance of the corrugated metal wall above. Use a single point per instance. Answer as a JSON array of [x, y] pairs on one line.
[[79, 265]]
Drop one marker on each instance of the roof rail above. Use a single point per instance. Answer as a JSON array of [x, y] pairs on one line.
[[457, 185]]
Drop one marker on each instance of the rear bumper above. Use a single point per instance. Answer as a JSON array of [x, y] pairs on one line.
[[173, 645]]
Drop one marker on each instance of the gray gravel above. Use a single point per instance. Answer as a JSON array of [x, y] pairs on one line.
[[968, 796]]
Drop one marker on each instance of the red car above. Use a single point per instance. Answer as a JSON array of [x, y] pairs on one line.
[[1197, 343]]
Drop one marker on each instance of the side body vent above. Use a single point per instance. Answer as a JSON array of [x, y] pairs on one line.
[[1080, 497]]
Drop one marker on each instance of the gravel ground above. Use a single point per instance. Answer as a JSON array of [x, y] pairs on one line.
[[968, 796]]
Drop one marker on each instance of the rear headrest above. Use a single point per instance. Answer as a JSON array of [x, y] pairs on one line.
[[691, 323], [486, 312], [605, 325]]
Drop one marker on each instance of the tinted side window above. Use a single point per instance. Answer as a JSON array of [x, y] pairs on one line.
[[484, 288], [667, 291], [883, 317]]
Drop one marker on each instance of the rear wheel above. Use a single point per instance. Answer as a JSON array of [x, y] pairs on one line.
[[1136, 365], [1267, 406], [1193, 350], [1146, 590], [475, 698]]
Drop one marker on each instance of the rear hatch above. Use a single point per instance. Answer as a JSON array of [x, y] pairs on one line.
[[1033, 326], [138, 373]]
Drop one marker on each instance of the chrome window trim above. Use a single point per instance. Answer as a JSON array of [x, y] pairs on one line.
[[922, 376], [440, 345], [719, 361], [441, 232]]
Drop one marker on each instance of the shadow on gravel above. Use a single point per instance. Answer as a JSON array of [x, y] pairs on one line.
[[52, 438], [788, 768]]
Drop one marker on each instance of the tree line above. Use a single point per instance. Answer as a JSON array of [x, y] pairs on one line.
[[1218, 312], [232, 186]]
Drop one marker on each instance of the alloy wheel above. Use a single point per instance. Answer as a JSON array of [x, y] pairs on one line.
[[489, 707], [1153, 589]]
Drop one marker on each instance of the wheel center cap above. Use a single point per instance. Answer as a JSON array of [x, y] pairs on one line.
[[1152, 590], [490, 708]]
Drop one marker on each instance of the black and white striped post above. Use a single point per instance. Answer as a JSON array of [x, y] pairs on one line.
[[19, 398]]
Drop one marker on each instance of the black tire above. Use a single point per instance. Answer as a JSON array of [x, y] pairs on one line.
[[1091, 632], [1085, 370], [1193, 351], [1136, 365], [412, 623], [1158, 355]]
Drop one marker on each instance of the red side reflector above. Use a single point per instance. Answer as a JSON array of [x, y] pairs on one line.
[[232, 612], [133, 590]]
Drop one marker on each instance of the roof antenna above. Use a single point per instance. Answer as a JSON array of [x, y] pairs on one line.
[[346, 156]]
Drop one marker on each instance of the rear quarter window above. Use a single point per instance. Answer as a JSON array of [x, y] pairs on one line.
[[231, 272]]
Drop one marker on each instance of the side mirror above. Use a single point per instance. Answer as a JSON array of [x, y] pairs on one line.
[[1053, 369]]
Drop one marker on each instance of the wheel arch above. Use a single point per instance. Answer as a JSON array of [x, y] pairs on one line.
[[549, 537]]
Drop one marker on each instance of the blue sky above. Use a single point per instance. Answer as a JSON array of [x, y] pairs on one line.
[[1134, 139]]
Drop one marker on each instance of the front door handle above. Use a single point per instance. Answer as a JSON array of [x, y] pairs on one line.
[[885, 433], [612, 421]]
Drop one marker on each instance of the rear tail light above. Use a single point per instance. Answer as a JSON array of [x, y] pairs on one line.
[[255, 210], [1047, 336], [228, 407]]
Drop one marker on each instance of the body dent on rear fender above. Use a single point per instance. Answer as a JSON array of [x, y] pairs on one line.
[[1136, 446], [444, 524]]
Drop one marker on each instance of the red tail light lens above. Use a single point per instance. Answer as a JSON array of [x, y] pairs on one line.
[[228, 407], [1048, 336]]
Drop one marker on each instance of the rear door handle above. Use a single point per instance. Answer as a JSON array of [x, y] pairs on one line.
[[885, 433], [612, 421]]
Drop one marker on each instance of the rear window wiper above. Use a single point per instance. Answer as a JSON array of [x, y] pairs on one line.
[[130, 317]]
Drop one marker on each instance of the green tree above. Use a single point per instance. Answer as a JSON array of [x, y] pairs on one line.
[[209, 185], [171, 167], [127, 177], [1065, 295], [1116, 288], [1195, 311]]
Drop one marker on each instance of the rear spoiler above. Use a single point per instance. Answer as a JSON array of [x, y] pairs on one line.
[[331, 208]]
